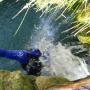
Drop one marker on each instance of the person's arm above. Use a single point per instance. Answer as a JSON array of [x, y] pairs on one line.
[[11, 54], [19, 55], [3, 52]]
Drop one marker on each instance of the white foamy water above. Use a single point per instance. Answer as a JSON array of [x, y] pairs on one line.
[[60, 61]]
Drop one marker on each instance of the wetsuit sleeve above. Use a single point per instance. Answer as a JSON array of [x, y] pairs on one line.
[[19, 55], [11, 54], [3, 52]]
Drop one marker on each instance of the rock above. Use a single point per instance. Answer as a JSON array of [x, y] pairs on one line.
[[14, 81], [19, 81], [44, 82], [76, 85]]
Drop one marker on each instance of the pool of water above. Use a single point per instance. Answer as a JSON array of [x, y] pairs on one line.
[[41, 32]]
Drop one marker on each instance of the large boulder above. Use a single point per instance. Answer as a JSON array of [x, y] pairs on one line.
[[19, 81]]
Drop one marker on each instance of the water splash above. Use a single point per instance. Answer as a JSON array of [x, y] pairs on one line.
[[1, 0], [60, 61]]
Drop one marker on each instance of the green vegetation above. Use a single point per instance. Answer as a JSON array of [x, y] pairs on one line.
[[86, 41], [78, 7]]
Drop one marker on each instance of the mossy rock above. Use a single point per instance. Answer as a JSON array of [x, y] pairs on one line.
[[44, 82], [18, 81], [14, 81]]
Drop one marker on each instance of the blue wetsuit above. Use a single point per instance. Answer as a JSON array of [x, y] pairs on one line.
[[19, 55], [23, 56]]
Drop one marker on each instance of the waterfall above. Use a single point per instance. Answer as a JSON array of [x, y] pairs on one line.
[[60, 61]]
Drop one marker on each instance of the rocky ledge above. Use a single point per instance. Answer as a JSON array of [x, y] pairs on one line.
[[18, 81]]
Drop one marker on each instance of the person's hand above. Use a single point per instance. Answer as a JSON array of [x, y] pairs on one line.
[[35, 68]]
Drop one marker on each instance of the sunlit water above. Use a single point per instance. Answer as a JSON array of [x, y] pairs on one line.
[[59, 61]]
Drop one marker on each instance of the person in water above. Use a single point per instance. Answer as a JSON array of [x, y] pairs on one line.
[[29, 59]]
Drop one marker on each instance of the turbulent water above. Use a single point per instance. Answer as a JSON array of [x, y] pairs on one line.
[[59, 60]]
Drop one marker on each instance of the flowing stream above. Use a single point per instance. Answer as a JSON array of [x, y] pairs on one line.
[[59, 61], [40, 33]]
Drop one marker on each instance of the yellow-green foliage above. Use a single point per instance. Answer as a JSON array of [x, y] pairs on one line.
[[84, 15], [42, 4], [84, 39], [83, 21], [48, 5]]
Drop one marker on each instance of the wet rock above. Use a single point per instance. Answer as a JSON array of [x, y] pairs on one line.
[[75, 85], [14, 81], [19, 81], [44, 82]]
